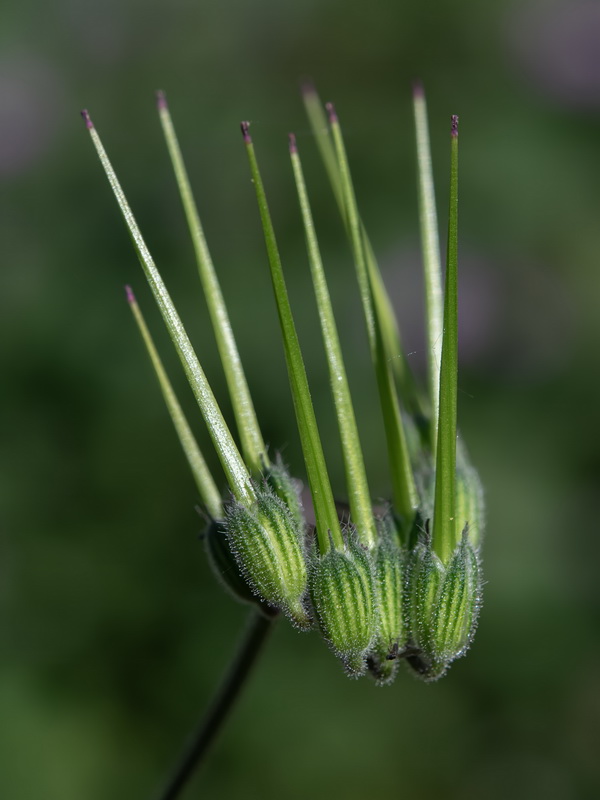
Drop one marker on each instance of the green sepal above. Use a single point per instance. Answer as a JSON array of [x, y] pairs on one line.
[[268, 546], [343, 594]]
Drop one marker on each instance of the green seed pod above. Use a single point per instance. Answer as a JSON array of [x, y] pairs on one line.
[[441, 604], [391, 630], [425, 573], [269, 549], [224, 564], [343, 594], [456, 611]]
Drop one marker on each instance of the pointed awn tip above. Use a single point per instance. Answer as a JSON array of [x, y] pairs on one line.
[[330, 108], [86, 118], [130, 295], [292, 141], [454, 129], [161, 99], [418, 90], [307, 87], [245, 128]]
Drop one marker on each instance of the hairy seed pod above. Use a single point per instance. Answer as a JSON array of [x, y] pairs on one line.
[[442, 603], [342, 590], [424, 575], [455, 614], [391, 636], [269, 549], [224, 563]]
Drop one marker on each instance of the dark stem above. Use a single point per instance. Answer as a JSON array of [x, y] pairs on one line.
[[224, 700]]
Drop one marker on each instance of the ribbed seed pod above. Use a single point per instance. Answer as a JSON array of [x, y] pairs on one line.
[[391, 630], [425, 573], [269, 550], [454, 619], [224, 563], [441, 603], [342, 590]]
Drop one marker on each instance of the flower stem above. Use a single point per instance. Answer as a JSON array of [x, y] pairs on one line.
[[253, 446], [328, 526], [207, 487], [250, 647], [405, 492], [356, 478], [381, 300], [444, 526], [236, 471], [430, 247]]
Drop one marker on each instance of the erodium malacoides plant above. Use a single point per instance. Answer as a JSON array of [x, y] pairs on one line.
[[401, 585]]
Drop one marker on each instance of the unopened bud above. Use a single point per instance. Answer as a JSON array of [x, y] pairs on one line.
[[269, 549], [342, 590]]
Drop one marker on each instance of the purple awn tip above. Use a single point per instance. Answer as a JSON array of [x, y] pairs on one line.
[[292, 140], [245, 128], [330, 108], [86, 118], [418, 91], [307, 87], [161, 100], [454, 128], [130, 295]]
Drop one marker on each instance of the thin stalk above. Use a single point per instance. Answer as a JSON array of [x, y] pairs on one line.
[[195, 751], [358, 489], [430, 246], [319, 123], [382, 304], [207, 487], [354, 228], [328, 525], [237, 474], [252, 444], [444, 528], [405, 492]]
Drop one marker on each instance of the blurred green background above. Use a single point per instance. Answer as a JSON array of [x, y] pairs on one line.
[[113, 631]]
